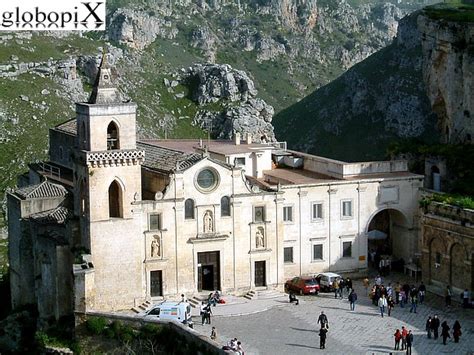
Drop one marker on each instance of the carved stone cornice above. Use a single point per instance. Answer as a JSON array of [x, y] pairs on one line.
[[107, 158]]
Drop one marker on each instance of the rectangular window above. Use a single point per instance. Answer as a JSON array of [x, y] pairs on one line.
[[316, 211], [346, 249], [239, 162], [259, 214], [155, 222], [288, 254], [288, 213], [347, 208], [317, 252]]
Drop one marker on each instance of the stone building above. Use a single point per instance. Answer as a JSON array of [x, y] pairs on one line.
[[110, 222], [447, 246]]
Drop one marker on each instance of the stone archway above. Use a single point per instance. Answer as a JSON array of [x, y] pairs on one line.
[[387, 234]]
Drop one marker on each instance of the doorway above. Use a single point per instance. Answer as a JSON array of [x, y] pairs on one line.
[[209, 271], [156, 283], [260, 274]]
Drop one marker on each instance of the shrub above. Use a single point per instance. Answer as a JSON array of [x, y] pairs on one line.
[[96, 325]]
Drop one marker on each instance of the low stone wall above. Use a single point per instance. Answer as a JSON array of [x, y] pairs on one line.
[[190, 334]]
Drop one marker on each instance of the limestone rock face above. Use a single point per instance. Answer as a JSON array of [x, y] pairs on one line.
[[448, 71], [137, 29], [220, 81], [241, 111]]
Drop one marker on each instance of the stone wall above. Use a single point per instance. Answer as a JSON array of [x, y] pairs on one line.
[[447, 244]]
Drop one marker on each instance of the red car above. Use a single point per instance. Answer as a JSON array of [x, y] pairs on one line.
[[303, 285]]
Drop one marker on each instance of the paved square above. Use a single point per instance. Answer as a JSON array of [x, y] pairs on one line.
[[291, 329]]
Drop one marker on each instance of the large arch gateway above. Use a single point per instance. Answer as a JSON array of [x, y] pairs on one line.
[[389, 233]]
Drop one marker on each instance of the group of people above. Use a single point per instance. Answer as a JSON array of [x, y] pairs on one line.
[[404, 336], [342, 285], [387, 297], [234, 345], [323, 321], [432, 328]]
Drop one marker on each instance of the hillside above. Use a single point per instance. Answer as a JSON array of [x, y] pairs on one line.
[[287, 48], [377, 101]]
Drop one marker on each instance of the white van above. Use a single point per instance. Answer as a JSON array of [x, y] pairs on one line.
[[175, 311]]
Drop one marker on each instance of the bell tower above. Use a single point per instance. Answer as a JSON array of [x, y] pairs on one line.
[[108, 172]]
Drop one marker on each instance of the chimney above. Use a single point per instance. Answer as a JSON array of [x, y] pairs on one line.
[[249, 138], [237, 138]]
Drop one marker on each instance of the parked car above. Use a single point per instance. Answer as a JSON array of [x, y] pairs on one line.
[[326, 280], [173, 311], [303, 285]]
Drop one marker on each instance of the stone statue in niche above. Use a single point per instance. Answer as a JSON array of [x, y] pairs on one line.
[[208, 225], [260, 238], [156, 247]]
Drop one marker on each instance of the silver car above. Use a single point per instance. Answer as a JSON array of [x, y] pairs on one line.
[[326, 280]]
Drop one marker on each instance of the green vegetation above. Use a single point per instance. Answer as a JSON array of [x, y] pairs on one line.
[[449, 199], [102, 336], [454, 10]]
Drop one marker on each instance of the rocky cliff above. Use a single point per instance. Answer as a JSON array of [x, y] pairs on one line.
[[448, 71], [377, 101]]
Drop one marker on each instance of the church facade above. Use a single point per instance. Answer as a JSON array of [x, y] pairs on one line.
[[111, 221]]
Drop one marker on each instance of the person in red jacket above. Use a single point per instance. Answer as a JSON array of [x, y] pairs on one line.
[[398, 337], [404, 338]]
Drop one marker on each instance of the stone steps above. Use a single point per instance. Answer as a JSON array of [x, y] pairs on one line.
[[263, 294], [142, 307]]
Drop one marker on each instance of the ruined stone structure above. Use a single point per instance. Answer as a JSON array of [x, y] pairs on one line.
[[447, 245], [110, 222]]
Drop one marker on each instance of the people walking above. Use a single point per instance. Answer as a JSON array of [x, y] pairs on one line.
[[428, 327], [413, 302], [336, 288], [404, 338], [323, 320], [208, 313], [382, 305], [390, 305], [348, 285], [409, 342], [435, 326], [352, 299], [202, 312], [445, 332], [366, 285], [398, 287], [322, 337], [421, 292], [456, 331], [447, 296], [398, 337], [341, 288], [402, 298]]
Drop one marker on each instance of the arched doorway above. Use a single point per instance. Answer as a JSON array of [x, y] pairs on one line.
[[115, 200], [435, 178], [388, 237]]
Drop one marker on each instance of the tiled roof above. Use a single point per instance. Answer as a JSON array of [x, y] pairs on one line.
[[43, 190], [167, 160], [58, 215], [68, 127]]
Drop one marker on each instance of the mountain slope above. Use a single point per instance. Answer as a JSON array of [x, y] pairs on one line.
[[377, 101]]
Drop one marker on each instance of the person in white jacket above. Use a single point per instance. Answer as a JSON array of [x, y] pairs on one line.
[[382, 304]]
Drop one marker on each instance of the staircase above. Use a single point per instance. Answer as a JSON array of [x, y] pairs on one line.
[[263, 294], [142, 308], [196, 300]]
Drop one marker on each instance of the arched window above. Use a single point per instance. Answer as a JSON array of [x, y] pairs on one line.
[[115, 200], [225, 206], [189, 209], [82, 197], [112, 136]]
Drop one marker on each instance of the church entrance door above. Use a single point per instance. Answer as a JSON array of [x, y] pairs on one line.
[[156, 283], [209, 271], [260, 274]]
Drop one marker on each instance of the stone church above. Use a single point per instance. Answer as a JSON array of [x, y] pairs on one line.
[[110, 221]]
